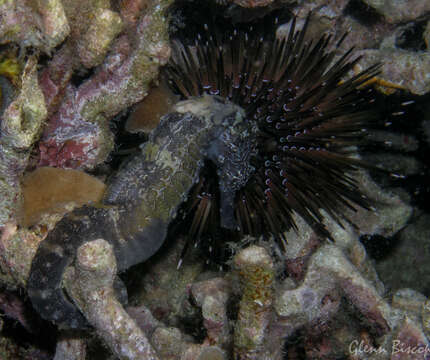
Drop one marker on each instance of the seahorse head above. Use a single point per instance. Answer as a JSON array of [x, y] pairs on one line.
[[231, 144]]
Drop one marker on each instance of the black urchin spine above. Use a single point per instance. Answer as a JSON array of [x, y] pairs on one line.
[[309, 115]]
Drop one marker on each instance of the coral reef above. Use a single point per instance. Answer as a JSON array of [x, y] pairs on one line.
[[377, 29], [96, 264], [78, 134], [270, 311], [20, 127], [77, 65], [399, 11], [41, 24], [407, 69]]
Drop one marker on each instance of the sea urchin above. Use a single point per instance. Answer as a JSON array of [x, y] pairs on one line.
[[309, 116]]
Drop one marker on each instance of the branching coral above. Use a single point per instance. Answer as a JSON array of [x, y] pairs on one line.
[[257, 275], [20, 127], [78, 135], [333, 278], [91, 285], [42, 24]]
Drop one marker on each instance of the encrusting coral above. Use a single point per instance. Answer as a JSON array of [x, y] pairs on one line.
[[53, 190], [146, 115]]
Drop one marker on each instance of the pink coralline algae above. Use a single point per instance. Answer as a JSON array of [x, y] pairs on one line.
[[70, 153], [77, 134], [71, 142]]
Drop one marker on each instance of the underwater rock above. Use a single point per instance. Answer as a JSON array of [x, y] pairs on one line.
[[212, 353], [256, 271], [317, 298], [395, 11], [426, 35], [394, 141], [80, 15], [21, 121], [397, 164], [168, 342], [70, 347], [40, 24], [90, 283], [410, 301], [425, 314], [18, 248], [212, 296], [373, 29], [78, 135], [20, 127], [94, 44], [73, 142], [392, 213], [93, 28], [409, 342], [131, 9], [407, 69], [144, 319], [164, 286], [406, 266], [252, 3], [53, 190], [54, 78]]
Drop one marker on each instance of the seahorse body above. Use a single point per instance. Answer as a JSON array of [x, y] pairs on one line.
[[144, 196]]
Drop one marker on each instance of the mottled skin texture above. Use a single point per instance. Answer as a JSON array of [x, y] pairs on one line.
[[144, 196]]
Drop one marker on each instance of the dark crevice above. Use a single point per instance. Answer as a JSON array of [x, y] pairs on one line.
[[363, 13], [411, 38]]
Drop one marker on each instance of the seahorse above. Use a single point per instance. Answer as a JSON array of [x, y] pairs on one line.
[[144, 196]]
